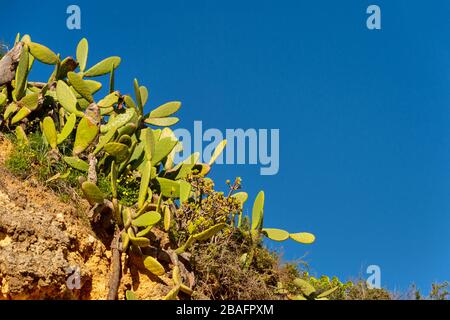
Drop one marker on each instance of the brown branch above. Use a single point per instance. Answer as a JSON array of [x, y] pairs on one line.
[[116, 268], [8, 64]]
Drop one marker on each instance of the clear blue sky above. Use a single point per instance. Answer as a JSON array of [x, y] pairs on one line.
[[364, 116]]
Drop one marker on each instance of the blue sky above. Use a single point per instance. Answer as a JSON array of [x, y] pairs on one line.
[[364, 116]]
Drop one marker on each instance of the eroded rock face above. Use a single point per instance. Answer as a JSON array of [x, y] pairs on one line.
[[43, 243]]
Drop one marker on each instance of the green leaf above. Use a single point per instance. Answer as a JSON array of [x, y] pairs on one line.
[[258, 211], [276, 234], [103, 67], [303, 237], [42, 53], [165, 110], [86, 133], [82, 53], [50, 132], [152, 265], [80, 86], [147, 219]]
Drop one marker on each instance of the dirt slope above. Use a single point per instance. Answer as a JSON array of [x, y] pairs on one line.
[[42, 242]]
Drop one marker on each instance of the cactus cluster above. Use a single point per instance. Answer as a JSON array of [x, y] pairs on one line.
[[114, 136]]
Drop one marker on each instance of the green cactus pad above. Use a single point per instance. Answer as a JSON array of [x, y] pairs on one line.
[[173, 294], [303, 237], [92, 193], [306, 288], [50, 133], [30, 101], [21, 136], [82, 53], [42, 53], [276, 234], [118, 150], [167, 218], [162, 149], [208, 233], [152, 265], [20, 115], [86, 133], [108, 101], [67, 98], [165, 110], [77, 163], [147, 219], [145, 181], [169, 188], [144, 94], [129, 295], [67, 129], [22, 73], [162, 122], [185, 190], [217, 151], [80, 86], [119, 121], [258, 211], [103, 67]]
